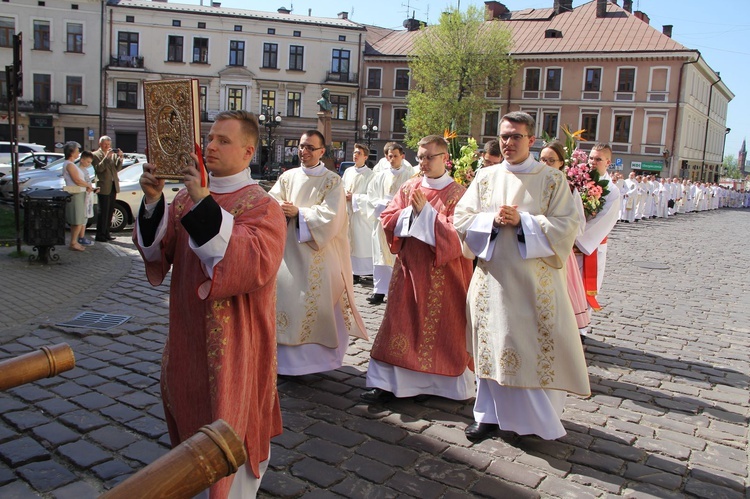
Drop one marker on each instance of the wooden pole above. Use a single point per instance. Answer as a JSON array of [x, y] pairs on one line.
[[43, 363], [213, 453]]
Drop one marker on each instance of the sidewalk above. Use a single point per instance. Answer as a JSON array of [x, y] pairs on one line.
[[668, 361]]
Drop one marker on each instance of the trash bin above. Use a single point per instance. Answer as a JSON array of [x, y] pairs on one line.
[[44, 222]]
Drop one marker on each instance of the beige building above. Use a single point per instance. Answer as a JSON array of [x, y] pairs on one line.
[[270, 63], [61, 52], [598, 67]]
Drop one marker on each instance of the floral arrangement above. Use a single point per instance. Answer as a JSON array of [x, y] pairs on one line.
[[463, 160], [582, 176]]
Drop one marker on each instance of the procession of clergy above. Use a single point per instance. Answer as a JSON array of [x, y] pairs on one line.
[[646, 196]]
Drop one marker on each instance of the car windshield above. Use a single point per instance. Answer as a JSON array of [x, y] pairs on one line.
[[56, 165]]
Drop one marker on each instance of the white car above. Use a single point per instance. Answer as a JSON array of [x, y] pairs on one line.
[[23, 148], [129, 198], [31, 161]]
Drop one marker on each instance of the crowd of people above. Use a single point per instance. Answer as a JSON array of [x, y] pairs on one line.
[[486, 288]]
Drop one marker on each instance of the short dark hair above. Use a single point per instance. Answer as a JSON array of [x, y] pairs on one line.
[[601, 146], [492, 147], [316, 133], [87, 154], [438, 140], [521, 118], [363, 148], [69, 148], [398, 147], [248, 122]]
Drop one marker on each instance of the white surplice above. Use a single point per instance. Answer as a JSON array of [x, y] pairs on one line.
[[356, 181]]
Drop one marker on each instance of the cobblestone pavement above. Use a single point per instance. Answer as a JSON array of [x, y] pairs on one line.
[[668, 363]]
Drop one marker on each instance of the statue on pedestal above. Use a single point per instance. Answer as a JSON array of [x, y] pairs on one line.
[[325, 100]]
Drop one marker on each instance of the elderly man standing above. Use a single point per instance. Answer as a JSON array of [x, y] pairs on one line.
[[107, 162], [383, 187], [520, 220], [420, 348], [315, 296]]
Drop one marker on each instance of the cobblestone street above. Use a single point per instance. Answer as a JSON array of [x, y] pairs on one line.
[[669, 363]]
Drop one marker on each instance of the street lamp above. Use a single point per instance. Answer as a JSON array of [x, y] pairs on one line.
[[369, 129], [270, 122]]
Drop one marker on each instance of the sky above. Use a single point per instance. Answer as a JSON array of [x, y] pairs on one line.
[[719, 29]]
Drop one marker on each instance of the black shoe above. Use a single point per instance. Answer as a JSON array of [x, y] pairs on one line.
[[101, 239], [480, 431], [110, 238], [376, 298], [357, 279], [376, 396]]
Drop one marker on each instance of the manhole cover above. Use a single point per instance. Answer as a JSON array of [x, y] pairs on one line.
[[94, 320], [651, 265]]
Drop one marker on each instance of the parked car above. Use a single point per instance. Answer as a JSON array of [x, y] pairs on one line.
[[344, 165], [23, 148], [128, 200], [31, 161]]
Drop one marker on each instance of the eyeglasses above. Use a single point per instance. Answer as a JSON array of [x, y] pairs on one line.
[[429, 157], [550, 161], [309, 148], [515, 137]]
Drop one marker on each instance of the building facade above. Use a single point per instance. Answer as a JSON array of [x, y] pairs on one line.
[[271, 63], [61, 54]]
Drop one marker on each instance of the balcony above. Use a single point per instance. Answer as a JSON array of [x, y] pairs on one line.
[[33, 106], [342, 77], [126, 61]]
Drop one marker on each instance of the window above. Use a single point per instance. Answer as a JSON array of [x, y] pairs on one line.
[[3, 86], [339, 107], [42, 88], [293, 103], [342, 38], [237, 27], [200, 50], [202, 97], [270, 55], [593, 81], [626, 80], [297, 34], [271, 31], [75, 37], [589, 123], [41, 35], [236, 53], [129, 19], [74, 90], [127, 95], [7, 30], [234, 98], [621, 133], [174, 48], [127, 44], [340, 61], [491, 119], [655, 126], [399, 115], [373, 77], [402, 79], [201, 25], [176, 23], [296, 57], [373, 113], [268, 101], [549, 124], [554, 79], [531, 81]]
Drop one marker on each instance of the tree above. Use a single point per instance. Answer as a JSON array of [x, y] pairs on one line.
[[731, 168], [453, 64]]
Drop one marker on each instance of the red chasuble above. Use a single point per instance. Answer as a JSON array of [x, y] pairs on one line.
[[220, 356], [424, 326]]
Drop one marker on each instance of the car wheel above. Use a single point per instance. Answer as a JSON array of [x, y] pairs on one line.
[[120, 218]]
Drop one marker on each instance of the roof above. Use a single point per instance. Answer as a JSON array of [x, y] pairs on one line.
[[229, 12], [582, 32]]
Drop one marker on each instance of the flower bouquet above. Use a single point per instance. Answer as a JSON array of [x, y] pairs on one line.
[[463, 160], [582, 176]]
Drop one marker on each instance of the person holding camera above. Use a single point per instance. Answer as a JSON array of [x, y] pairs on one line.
[[107, 162]]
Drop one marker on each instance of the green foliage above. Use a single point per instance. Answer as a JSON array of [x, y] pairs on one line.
[[453, 64], [731, 168]]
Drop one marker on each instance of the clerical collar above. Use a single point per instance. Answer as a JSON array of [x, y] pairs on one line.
[[396, 171], [437, 183], [524, 167], [316, 171], [232, 183], [360, 169]]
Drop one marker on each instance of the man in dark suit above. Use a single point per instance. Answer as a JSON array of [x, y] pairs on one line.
[[107, 162]]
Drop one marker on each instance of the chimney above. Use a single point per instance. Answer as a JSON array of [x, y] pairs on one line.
[[667, 30], [494, 10], [642, 16], [561, 6], [627, 5], [343, 15], [216, 4], [601, 8], [412, 24]]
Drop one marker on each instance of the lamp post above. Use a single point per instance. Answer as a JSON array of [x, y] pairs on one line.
[[270, 121], [369, 129]]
